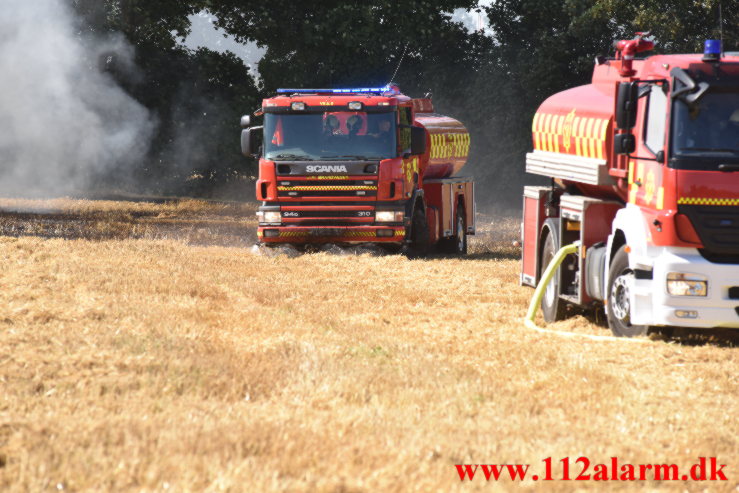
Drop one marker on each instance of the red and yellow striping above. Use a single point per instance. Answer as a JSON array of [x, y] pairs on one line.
[[707, 201], [327, 188], [446, 145], [639, 176], [570, 134], [347, 234], [328, 177]]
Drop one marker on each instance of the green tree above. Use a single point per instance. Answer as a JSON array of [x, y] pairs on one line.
[[336, 43], [195, 96], [542, 47]]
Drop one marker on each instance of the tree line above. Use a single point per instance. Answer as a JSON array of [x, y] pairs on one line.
[[493, 83]]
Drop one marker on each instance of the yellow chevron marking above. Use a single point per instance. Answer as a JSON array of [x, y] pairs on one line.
[[327, 188], [706, 201], [329, 177]]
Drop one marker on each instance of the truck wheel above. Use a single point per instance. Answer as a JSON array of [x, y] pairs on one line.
[[419, 244], [552, 306], [618, 308], [457, 244], [460, 238]]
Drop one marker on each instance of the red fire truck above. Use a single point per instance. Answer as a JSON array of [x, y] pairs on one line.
[[364, 165], [644, 163]]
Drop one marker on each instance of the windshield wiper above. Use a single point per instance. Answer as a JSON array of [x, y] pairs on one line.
[[291, 157], [691, 91], [728, 167]]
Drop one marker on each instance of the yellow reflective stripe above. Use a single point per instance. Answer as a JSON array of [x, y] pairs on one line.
[[706, 201], [588, 133], [350, 234], [633, 188], [553, 134], [558, 131], [660, 198], [576, 133], [321, 189], [591, 142], [603, 137]]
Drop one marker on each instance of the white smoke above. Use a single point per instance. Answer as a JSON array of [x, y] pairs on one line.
[[62, 120]]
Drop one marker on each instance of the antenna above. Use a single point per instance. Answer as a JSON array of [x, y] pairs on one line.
[[721, 26], [400, 62]]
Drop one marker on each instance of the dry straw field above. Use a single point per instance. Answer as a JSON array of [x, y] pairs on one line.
[[147, 347]]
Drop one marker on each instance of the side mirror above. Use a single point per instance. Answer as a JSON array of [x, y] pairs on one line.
[[245, 121], [624, 144], [418, 140], [249, 143], [626, 101]]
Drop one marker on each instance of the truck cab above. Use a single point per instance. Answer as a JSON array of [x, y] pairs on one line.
[[357, 165], [645, 166]]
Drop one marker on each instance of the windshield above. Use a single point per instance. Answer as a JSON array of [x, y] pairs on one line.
[[708, 127], [333, 135]]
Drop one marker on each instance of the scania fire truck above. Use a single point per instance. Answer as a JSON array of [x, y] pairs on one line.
[[644, 168], [361, 165]]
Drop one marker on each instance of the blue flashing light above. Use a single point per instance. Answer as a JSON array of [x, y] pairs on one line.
[[358, 90], [712, 50]]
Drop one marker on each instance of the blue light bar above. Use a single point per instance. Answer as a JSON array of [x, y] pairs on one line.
[[712, 50], [360, 90]]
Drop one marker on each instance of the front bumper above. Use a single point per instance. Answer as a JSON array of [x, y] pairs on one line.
[[652, 305], [331, 234]]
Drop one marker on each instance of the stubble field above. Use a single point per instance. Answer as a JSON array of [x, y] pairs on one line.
[[149, 347]]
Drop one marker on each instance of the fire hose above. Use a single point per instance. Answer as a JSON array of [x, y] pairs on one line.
[[541, 288]]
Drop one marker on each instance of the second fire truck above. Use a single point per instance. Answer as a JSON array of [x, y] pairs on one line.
[[644, 163], [361, 165]]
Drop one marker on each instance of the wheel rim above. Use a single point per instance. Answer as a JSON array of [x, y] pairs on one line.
[[460, 233], [619, 300]]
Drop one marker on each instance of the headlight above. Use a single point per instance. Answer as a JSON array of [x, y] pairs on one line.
[[389, 216], [269, 216], [297, 106], [355, 106], [679, 284]]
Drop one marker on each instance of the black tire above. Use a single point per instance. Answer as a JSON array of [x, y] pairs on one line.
[[457, 244], [419, 235], [618, 308], [552, 306]]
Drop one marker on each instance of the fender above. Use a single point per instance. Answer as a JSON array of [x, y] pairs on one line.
[[630, 223], [410, 205]]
